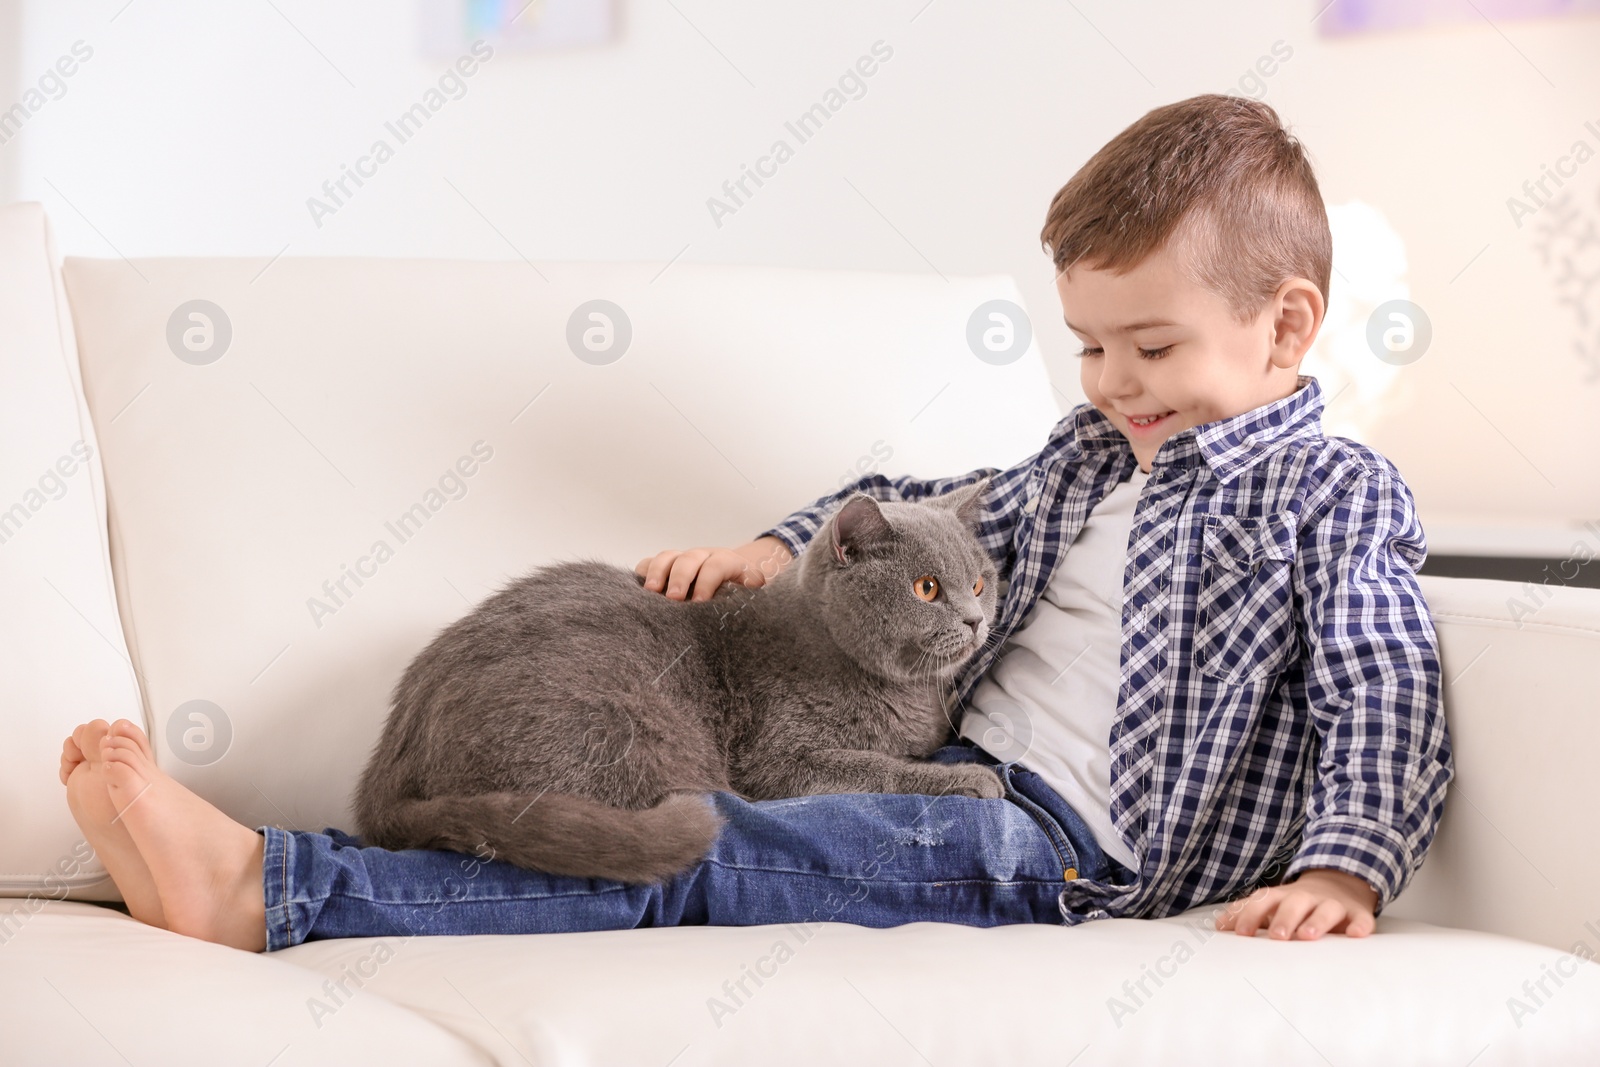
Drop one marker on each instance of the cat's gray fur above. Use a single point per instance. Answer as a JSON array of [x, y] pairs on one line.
[[572, 721]]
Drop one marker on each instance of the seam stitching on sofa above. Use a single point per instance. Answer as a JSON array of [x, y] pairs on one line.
[[1509, 624]]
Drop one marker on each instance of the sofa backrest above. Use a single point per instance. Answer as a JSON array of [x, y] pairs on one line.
[[313, 465]]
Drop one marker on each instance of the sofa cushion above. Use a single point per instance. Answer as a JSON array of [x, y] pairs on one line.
[[1118, 991], [313, 465], [62, 654], [86, 985]]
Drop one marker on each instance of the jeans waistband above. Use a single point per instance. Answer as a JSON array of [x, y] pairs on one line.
[[1093, 862]]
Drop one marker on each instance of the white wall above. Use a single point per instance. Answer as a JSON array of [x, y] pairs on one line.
[[201, 128], [10, 87]]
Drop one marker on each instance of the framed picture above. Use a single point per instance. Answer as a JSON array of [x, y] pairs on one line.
[[448, 27], [1342, 17]]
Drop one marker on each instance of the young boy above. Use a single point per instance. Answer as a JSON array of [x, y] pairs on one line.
[[1228, 688]]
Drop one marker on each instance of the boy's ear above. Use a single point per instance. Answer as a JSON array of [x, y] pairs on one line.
[[1298, 318], [857, 526], [966, 502]]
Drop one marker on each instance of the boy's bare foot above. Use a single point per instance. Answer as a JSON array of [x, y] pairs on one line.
[[206, 867], [83, 773]]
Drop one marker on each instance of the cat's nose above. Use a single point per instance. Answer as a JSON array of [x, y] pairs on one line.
[[974, 622]]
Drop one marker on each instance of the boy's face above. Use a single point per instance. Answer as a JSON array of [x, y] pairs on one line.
[[1162, 353]]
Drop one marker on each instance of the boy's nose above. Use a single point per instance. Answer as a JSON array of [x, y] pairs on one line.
[[1116, 382]]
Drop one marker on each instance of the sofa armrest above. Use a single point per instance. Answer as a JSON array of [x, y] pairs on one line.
[[1514, 852]]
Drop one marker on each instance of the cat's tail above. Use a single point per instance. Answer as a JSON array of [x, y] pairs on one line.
[[558, 833]]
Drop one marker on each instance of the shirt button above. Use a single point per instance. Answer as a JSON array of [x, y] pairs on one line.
[[1032, 505]]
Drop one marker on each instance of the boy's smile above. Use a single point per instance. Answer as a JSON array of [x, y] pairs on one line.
[[1162, 353]]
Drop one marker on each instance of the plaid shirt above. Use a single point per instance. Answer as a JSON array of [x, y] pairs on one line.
[[1280, 703]]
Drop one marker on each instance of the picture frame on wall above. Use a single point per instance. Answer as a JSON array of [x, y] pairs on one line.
[[448, 27], [1338, 18]]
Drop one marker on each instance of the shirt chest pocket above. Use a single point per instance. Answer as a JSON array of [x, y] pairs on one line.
[[1245, 627]]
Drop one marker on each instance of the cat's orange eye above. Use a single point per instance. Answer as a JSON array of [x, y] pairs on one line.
[[926, 587], [977, 587]]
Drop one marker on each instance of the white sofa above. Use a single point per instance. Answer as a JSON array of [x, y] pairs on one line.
[[179, 513]]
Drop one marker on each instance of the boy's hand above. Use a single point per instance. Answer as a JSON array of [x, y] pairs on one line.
[[673, 571], [1319, 901]]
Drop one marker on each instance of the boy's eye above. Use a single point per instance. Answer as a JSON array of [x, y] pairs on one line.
[[926, 587], [977, 587], [1147, 353]]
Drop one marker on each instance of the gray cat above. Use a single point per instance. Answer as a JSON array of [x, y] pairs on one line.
[[569, 723]]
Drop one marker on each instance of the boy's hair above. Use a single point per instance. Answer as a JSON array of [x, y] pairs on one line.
[[1218, 172]]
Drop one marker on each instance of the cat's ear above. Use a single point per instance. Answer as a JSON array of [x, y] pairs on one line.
[[857, 526], [966, 502]]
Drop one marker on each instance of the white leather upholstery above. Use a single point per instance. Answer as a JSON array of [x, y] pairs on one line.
[[350, 388], [93, 986], [939, 993], [1516, 850], [62, 656], [84, 985]]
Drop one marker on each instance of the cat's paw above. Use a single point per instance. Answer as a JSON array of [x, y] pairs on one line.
[[975, 780]]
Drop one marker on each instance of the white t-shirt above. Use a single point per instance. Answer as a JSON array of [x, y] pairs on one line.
[[1050, 699]]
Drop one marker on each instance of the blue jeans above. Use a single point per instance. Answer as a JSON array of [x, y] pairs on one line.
[[873, 859]]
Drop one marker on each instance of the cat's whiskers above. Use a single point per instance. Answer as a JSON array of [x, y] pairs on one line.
[[937, 662], [925, 671]]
